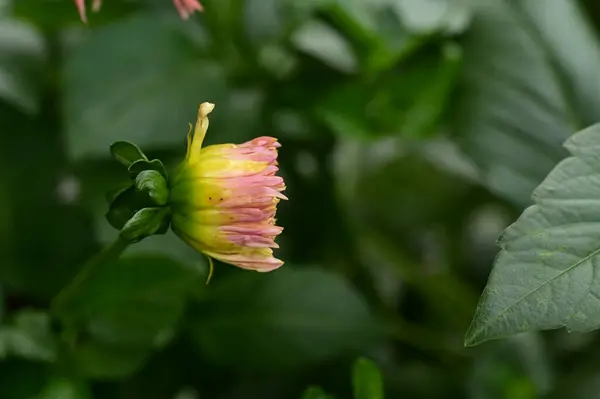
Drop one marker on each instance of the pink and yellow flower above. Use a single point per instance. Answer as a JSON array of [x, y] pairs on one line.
[[184, 7], [224, 198]]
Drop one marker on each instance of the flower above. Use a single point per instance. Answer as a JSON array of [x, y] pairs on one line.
[[224, 199], [184, 7]]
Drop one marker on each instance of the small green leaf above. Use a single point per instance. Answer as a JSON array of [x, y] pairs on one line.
[[142, 165], [366, 380], [144, 223], [126, 153], [315, 392], [545, 275], [152, 184]]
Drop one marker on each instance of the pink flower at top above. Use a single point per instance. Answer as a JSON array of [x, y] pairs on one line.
[[184, 7]]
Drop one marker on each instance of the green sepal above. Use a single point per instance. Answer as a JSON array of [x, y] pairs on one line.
[[152, 185], [113, 194], [126, 153], [144, 223], [122, 208], [141, 165], [166, 223]]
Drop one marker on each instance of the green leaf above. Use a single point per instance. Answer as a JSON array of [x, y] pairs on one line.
[[152, 184], [113, 194], [519, 364], [544, 276], [127, 153], [408, 100], [289, 318], [323, 42], [110, 361], [366, 380], [21, 379], [511, 113], [429, 16], [29, 336], [572, 41], [144, 223], [159, 85], [62, 388], [142, 165], [315, 393], [122, 208], [127, 308], [22, 56]]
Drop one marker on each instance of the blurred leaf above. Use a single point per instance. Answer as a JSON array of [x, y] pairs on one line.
[[287, 318], [315, 393], [325, 43], [263, 20], [127, 153], [61, 388], [366, 380], [29, 336], [56, 14], [159, 85], [135, 299], [544, 276], [22, 58], [127, 308], [511, 112], [518, 367], [20, 379], [428, 16], [408, 100], [574, 46], [101, 360]]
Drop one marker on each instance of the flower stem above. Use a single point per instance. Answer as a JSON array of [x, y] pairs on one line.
[[91, 266]]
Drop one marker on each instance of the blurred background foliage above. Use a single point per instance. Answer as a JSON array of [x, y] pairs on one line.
[[413, 132]]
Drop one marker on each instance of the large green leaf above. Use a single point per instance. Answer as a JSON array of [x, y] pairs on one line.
[[126, 309], [545, 275], [528, 82], [573, 45], [283, 319], [139, 80]]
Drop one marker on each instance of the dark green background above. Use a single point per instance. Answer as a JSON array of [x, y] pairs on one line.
[[413, 132]]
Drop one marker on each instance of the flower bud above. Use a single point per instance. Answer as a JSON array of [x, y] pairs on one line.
[[224, 199]]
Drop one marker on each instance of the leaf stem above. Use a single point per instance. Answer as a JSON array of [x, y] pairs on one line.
[[108, 254]]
